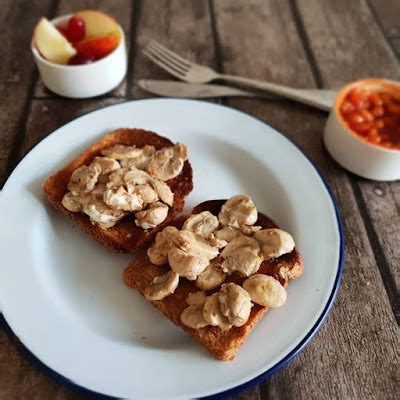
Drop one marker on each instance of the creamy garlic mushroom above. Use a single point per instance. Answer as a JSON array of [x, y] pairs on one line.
[[120, 199], [116, 178], [235, 303], [163, 191], [242, 254], [274, 242], [106, 164], [144, 191], [185, 264], [152, 216], [162, 286], [158, 251], [141, 160], [119, 152], [265, 290], [167, 163], [192, 317], [212, 313], [84, 179], [204, 224], [137, 177], [100, 213], [196, 298], [237, 211], [195, 244], [227, 233], [71, 202], [212, 277]]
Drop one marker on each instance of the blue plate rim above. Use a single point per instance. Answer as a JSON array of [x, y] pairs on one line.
[[260, 378]]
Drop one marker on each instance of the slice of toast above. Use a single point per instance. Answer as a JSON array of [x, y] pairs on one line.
[[125, 236], [221, 344]]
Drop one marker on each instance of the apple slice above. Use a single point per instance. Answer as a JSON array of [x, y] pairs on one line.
[[51, 43], [99, 47], [97, 23]]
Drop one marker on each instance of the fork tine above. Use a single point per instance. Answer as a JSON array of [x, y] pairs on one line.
[[165, 61], [171, 53], [162, 65], [164, 55]]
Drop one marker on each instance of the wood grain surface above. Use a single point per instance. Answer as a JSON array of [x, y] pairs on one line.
[[302, 43]]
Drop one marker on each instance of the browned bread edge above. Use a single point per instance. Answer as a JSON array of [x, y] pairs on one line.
[[221, 344], [125, 236]]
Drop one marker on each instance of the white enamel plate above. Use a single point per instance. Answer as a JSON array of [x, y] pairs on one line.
[[63, 296]]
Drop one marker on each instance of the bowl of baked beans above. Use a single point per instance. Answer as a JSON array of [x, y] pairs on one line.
[[363, 129]]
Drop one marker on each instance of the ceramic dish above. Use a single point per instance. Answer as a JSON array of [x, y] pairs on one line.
[[87, 80], [63, 295]]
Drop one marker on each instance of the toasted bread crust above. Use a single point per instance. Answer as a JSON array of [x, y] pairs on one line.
[[223, 345], [125, 236]]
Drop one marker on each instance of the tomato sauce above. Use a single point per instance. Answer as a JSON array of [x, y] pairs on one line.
[[374, 116]]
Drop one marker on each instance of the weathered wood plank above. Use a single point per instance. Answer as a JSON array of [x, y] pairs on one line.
[[361, 325], [388, 12], [49, 114], [16, 69], [184, 27], [265, 49], [354, 28], [346, 42], [121, 10]]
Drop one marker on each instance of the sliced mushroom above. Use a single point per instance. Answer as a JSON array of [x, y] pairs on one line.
[[212, 313], [137, 177], [192, 317], [274, 242], [235, 304], [116, 178], [72, 203], [265, 290], [144, 191], [167, 162], [158, 252], [242, 254], [99, 213], [228, 233], [187, 265], [163, 190], [106, 164], [141, 159], [152, 216], [195, 244], [204, 224], [119, 152], [212, 277], [196, 298], [250, 229], [84, 179], [120, 199], [162, 286], [237, 211]]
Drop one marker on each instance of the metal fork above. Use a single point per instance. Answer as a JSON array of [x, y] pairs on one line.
[[185, 70]]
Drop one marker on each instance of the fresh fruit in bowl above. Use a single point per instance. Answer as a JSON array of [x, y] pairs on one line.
[[97, 23], [85, 37], [52, 45]]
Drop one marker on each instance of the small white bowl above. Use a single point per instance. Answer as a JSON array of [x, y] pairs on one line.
[[87, 80], [350, 150]]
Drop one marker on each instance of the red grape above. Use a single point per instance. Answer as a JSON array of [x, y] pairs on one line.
[[81, 58]]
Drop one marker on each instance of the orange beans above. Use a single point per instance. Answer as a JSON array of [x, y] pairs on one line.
[[375, 116]]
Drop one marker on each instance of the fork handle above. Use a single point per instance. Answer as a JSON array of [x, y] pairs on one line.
[[321, 99]]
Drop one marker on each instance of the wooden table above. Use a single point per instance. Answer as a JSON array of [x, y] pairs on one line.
[[302, 43]]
